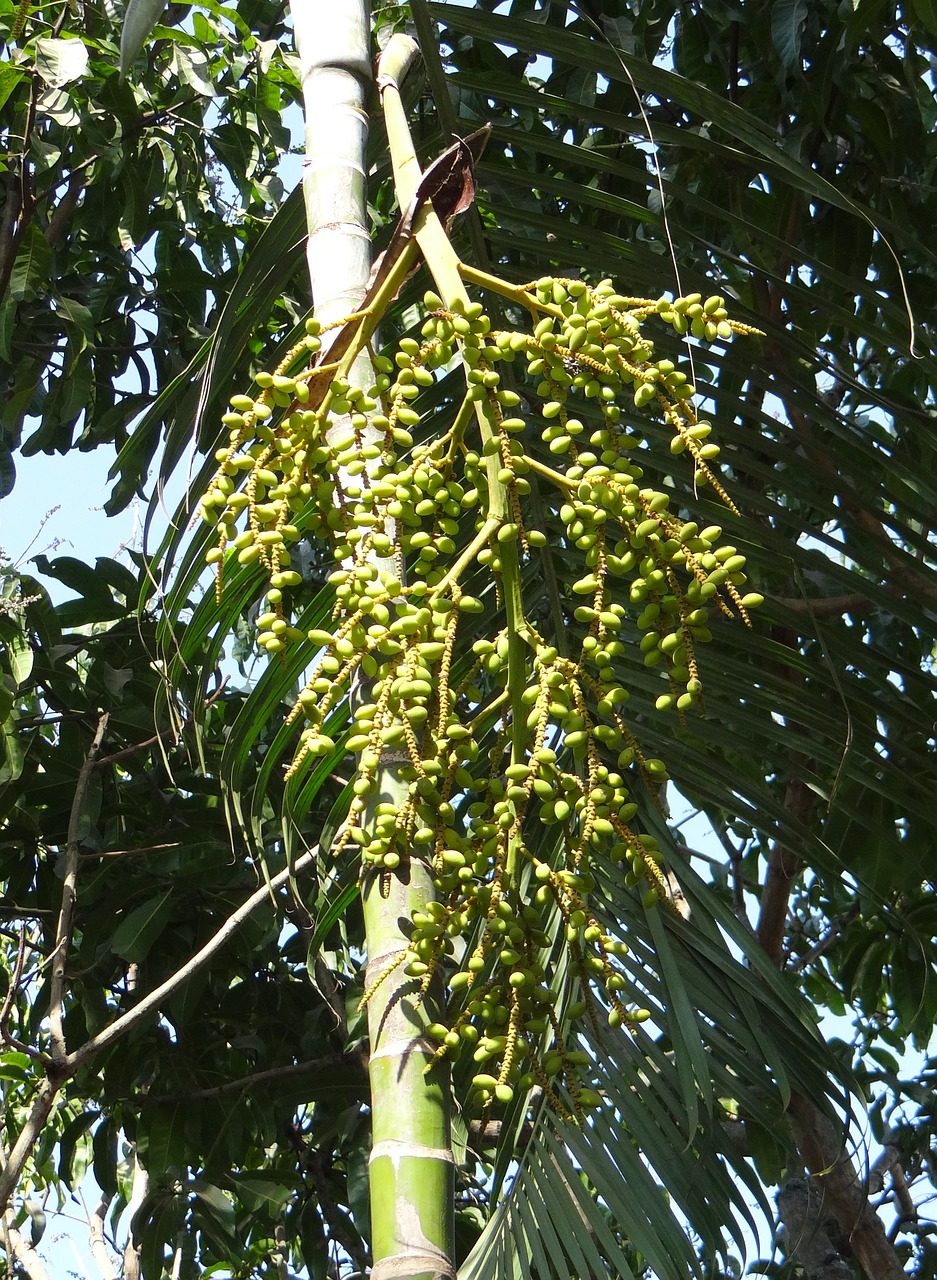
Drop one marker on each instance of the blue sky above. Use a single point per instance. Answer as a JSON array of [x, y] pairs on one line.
[[56, 508]]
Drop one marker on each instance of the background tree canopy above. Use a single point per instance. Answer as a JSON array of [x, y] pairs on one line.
[[150, 261]]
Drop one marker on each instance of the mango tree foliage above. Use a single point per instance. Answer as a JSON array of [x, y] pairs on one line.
[[223, 1079], [128, 206], [796, 167]]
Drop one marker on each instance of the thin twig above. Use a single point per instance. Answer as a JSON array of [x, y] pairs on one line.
[[45, 1098], [160, 735], [736, 865], [339, 1063], [63, 932], [150, 1003], [124, 853], [13, 988], [829, 938]]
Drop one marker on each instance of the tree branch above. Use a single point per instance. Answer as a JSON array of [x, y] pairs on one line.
[[347, 1063], [150, 1003], [844, 1193], [829, 938], [162, 734], [850, 502], [884, 1164], [9, 231], [18, 1247], [96, 1240], [138, 1193], [806, 1241], [65, 208], [313, 1164], [57, 1075], [13, 988], [28, 1137], [824, 606], [783, 869], [63, 932]]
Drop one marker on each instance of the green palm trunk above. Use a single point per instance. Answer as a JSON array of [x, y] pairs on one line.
[[411, 1167]]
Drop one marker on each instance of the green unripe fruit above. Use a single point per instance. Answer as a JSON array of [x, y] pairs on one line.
[[484, 1081], [589, 1099]]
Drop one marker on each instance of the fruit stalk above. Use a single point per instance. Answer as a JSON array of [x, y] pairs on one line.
[[411, 1169]]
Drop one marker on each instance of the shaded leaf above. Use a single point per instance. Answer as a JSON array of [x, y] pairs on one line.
[[138, 931]]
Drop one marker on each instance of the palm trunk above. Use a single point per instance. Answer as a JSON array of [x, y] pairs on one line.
[[411, 1168]]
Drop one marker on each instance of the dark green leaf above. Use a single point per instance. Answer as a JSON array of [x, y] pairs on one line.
[[138, 931]]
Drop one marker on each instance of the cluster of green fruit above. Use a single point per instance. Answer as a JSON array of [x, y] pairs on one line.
[[513, 753]]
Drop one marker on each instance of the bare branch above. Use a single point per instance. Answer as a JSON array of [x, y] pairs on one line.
[[39, 1114], [96, 1240], [18, 1247], [830, 937], [736, 863], [312, 1164], [351, 1064], [161, 736], [150, 1003], [802, 1214], [57, 1074], [141, 1185], [907, 1208], [126, 853], [783, 868], [823, 606], [280, 1254], [884, 1164], [15, 980], [844, 1193], [65, 208]]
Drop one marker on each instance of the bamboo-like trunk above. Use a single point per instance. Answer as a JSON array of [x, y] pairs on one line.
[[411, 1167]]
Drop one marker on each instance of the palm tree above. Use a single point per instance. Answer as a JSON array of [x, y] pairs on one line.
[[394, 859], [811, 756]]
